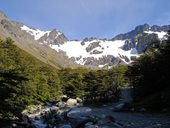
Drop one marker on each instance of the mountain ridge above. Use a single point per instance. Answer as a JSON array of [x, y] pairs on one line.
[[56, 49], [26, 42]]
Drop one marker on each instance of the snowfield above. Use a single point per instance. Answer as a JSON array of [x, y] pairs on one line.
[[95, 48], [75, 49]]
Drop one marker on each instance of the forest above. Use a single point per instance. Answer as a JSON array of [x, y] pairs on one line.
[[24, 80], [149, 76]]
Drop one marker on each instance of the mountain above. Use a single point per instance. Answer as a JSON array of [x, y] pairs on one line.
[[54, 48], [30, 40], [121, 49]]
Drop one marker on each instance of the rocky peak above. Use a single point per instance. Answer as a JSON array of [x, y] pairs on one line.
[[139, 30], [145, 41], [142, 28], [156, 28], [130, 35], [53, 37]]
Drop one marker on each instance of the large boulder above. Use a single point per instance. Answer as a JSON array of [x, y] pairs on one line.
[[79, 116], [71, 102], [79, 112]]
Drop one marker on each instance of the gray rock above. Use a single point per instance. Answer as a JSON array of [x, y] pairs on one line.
[[108, 61], [145, 41], [63, 111], [124, 58], [78, 112], [54, 109], [128, 45], [79, 116], [71, 102], [96, 52], [92, 46]]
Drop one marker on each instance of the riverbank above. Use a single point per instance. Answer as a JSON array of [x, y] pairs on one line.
[[105, 118], [135, 119]]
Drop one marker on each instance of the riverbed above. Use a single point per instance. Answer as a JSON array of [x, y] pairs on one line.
[[134, 119]]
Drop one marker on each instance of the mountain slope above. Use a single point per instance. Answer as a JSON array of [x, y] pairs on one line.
[[122, 49], [26, 42], [54, 48]]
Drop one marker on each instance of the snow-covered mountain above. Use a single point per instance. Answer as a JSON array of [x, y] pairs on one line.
[[94, 52], [29, 39], [52, 37], [54, 48]]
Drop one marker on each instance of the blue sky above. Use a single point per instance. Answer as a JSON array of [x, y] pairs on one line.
[[78, 19]]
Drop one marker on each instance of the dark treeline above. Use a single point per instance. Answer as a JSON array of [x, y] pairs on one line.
[[93, 85], [150, 77], [24, 81]]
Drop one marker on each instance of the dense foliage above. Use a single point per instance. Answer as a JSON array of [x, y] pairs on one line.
[[150, 77], [24, 81], [93, 85]]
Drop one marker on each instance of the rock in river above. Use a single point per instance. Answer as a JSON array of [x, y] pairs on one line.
[[79, 116]]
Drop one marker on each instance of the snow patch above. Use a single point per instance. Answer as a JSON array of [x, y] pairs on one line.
[[35, 32], [76, 50], [160, 34], [101, 66]]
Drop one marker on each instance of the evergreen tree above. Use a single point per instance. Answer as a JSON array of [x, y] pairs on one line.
[[150, 77], [24, 80]]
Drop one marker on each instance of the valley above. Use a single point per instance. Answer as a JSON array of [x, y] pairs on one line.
[[49, 81]]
